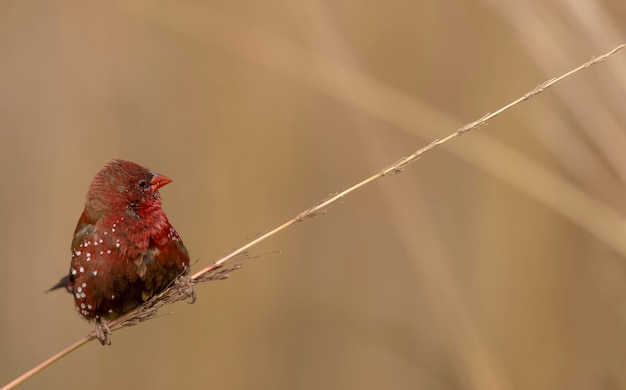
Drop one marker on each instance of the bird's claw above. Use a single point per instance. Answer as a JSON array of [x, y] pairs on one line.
[[185, 285], [103, 332]]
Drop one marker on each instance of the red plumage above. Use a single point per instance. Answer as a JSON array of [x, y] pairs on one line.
[[124, 249]]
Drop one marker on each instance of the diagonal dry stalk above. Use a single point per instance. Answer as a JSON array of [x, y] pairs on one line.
[[181, 289]]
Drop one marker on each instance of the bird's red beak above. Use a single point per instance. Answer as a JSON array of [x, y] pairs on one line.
[[159, 181]]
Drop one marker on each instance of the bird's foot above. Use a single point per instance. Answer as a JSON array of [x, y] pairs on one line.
[[103, 332], [185, 285]]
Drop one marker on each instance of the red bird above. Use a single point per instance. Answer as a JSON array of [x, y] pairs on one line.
[[124, 249]]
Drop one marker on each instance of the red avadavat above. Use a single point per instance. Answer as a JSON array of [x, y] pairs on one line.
[[124, 249]]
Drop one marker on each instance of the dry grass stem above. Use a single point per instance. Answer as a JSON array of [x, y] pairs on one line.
[[182, 288]]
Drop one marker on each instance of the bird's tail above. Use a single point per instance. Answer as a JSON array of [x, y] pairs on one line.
[[63, 283]]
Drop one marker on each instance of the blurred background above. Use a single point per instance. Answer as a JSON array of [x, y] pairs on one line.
[[497, 261]]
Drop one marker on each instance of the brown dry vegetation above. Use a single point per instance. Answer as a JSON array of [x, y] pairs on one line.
[[495, 262]]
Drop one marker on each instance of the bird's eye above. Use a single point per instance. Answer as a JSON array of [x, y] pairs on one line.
[[143, 184]]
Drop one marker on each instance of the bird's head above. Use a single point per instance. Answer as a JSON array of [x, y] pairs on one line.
[[124, 186]]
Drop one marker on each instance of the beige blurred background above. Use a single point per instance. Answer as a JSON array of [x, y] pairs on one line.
[[495, 262]]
